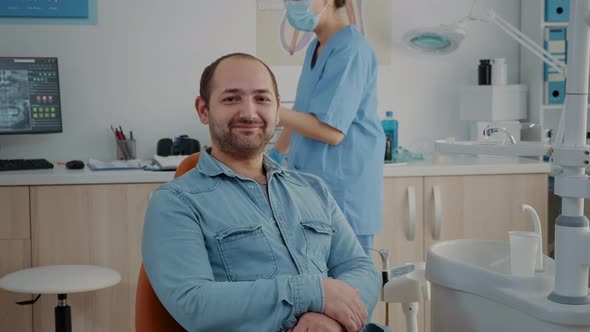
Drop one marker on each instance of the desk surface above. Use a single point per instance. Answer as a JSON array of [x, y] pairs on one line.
[[60, 279], [61, 175], [445, 165]]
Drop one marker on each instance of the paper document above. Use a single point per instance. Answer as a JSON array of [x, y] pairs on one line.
[[98, 165], [168, 163]]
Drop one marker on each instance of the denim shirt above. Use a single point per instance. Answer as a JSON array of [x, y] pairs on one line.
[[221, 257]]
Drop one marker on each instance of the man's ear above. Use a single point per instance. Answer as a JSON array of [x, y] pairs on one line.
[[202, 110]]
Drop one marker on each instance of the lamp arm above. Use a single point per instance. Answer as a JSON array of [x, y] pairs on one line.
[[525, 41]]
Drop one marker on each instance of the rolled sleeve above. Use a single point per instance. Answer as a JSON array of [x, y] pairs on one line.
[[340, 90], [306, 295], [306, 289]]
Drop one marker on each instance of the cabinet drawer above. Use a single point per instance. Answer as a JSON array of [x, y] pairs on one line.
[[14, 213], [16, 255]]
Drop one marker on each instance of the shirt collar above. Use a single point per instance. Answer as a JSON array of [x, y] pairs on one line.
[[213, 167], [271, 166]]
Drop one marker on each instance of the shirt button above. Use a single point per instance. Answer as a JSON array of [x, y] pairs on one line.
[[251, 187]]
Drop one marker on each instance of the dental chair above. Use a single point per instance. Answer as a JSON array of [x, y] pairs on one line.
[[150, 314]]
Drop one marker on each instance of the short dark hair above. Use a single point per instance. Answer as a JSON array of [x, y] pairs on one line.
[[339, 3], [207, 76]]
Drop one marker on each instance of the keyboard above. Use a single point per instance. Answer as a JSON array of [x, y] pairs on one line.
[[24, 164]]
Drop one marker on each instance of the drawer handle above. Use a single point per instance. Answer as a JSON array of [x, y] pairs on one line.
[[411, 213], [437, 212]]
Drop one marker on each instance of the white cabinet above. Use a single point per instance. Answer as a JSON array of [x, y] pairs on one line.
[[452, 207], [533, 25]]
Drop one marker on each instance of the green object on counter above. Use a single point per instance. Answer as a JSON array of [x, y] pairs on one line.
[[401, 155]]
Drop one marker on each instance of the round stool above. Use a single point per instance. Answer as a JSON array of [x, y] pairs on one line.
[[60, 280]]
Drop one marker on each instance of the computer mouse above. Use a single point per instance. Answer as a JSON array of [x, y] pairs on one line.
[[75, 164]]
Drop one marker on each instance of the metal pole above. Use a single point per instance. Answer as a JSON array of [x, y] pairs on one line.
[[63, 315]]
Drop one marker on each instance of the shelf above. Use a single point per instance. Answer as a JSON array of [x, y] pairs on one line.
[[533, 24], [554, 24], [555, 107], [552, 107]]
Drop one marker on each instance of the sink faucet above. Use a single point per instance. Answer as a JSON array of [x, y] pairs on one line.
[[489, 131], [537, 227]]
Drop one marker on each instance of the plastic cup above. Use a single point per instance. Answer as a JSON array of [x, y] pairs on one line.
[[126, 149], [523, 253]]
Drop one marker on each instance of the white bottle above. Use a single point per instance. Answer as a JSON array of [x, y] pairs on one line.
[[499, 72]]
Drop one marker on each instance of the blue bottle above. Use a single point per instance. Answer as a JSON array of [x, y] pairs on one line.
[[389, 125]]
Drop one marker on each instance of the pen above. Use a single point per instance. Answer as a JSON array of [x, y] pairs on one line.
[[121, 131], [131, 134], [114, 132]]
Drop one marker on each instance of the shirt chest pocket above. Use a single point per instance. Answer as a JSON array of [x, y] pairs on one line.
[[247, 254], [318, 238]]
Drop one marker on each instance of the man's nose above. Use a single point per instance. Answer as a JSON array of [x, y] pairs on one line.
[[248, 109]]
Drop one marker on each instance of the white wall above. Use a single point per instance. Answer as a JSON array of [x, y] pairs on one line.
[[423, 91], [139, 67]]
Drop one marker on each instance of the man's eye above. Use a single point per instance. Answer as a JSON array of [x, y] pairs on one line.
[[230, 99], [264, 99]]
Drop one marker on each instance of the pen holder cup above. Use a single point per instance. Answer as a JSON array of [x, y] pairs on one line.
[[126, 149]]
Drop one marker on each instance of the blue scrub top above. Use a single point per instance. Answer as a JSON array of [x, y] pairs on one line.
[[341, 91]]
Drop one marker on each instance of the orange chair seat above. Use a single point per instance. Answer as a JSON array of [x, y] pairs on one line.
[[150, 314]]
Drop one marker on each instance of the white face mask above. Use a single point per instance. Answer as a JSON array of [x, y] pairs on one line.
[[301, 16]]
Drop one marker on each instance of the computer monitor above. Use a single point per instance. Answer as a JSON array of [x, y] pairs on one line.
[[29, 96]]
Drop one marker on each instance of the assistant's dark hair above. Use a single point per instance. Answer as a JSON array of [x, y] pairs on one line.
[[339, 3], [207, 76]]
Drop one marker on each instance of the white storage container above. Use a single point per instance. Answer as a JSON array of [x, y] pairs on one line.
[[493, 102]]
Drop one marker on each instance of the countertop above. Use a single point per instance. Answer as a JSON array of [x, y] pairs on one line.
[[446, 165], [438, 166], [61, 175]]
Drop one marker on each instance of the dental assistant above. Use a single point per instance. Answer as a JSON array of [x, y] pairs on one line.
[[334, 131]]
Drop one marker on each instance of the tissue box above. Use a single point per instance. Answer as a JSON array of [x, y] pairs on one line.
[[493, 102]]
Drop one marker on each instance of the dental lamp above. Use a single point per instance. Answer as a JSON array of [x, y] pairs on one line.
[[445, 39], [572, 231], [440, 40]]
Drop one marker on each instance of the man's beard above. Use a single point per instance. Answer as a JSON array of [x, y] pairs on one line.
[[242, 146]]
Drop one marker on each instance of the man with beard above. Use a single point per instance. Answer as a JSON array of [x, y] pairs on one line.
[[240, 244]]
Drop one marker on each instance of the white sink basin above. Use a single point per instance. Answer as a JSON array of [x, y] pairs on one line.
[[482, 261], [526, 148], [473, 278]]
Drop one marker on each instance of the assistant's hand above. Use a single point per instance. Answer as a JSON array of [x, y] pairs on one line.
[[316, 322], [343, 303]]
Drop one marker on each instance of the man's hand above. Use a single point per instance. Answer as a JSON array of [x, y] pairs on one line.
[[344, 304], [316, 322]]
